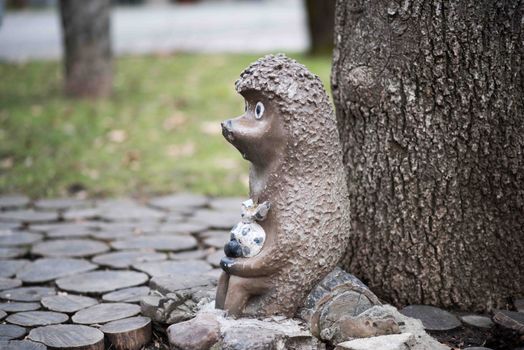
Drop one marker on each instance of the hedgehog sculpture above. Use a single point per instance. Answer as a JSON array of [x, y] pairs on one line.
[[288, 133]]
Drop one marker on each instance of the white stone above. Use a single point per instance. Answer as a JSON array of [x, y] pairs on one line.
[[383, 342]]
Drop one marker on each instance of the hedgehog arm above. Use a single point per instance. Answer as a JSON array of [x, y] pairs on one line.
[[266, 263]]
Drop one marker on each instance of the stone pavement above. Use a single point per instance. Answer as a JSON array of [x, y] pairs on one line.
[[81, 263], [215, 26]]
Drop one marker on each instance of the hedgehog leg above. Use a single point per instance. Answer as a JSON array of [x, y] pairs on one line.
[[222, 285], [240, 290]]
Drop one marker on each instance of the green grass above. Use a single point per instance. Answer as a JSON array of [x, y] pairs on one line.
[[159, 133]]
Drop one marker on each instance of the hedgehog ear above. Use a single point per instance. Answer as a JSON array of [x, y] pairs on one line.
[[262, 210]]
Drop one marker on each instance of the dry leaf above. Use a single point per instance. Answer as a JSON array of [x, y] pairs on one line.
[[183, 150], [117, 136], [176, 120]]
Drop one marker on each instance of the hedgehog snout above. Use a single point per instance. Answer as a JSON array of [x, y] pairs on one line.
[[227, 129]]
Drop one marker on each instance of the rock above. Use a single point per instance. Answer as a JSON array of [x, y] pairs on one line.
[[383, 342], [129, 295], [173, 268], [29, 216], [179, 201], [22, 345], [105, 312], [11, 331], [10, 238], [200, 333], [477, 321], [44, 270], [8, 268], [69, 336], [126, 210], [214, 258], [69, 248], [128, 334], [216, 219], [218, 241], [12, 252], [81, 214], [9, 283], [27, 293], [101, 281], [433, 318], [55, 204], [230, 204], [122, 260], [172, 284], [37, 318], [163, 242], [519, 305], [70, 231], [19, 306], [510, 319], [13, 201], [189, 255], [2, 314], [67, 303]]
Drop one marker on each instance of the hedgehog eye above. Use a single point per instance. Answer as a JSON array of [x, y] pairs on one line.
[[259, 110]]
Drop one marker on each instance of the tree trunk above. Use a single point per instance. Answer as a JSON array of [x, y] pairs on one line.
[[321, 22], [87, 47], [430, 109]]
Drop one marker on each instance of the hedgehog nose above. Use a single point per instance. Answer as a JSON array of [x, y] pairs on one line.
[[227, 128]]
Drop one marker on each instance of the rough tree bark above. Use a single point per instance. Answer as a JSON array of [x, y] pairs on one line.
[[430, 108], [321, 21], [87, 47]]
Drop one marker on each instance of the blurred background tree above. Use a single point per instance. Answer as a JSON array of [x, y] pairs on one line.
[[321, 21], [87, 47]]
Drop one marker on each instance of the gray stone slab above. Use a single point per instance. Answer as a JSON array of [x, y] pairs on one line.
[[433, 318], [68, 336], [68, 303], [125, 259], [13, 201], [383, 342], [69, 248], [158, 242], [179, 201], [170, 284], [27, 293], [214, 258], [128, 211], [11, 331], [477, 321], [218, 241], [9, 225], [70, 231], [22, 345], [101, 281], [37, 318], [54, 204], [105, 312], [45, 228], [216, 219], [183, 227], [12, 252], [48, 269], [174, 268], [81, 214], [229, 204], [28, 216], [15, 306], [510, 319], [9, 283], [127, 295], [10, 267], [188, 255], [519, 305], [10, 238], [3, 314]]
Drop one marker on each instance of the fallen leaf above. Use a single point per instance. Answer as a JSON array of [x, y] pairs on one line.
[[176, 120], [184, 150], [117, 136]]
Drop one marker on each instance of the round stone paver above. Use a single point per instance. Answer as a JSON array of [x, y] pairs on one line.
[[48, 269], [10, 238], [29, 216], [68, 336], [27, 293], [168, 284], [13, 201], [183, 227], [510, 319], [174, 268], [19, 306], [68, 303], [61, 204], [216, 219], [133, 330], [11, 331], [9, 283], [127, 211], [433, 318], [69, 248], [106, 312], [230, 204], [69, 231], [81, 214], [9, 268], [121, 260], [157, 242], [101, 281], [477, 321], [127, 295], [37, 318], [179, 201], [22, 345], [12, 252]]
